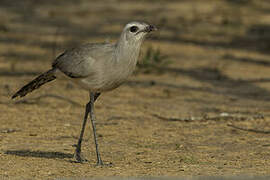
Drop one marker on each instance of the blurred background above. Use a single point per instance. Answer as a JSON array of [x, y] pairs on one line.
[[198, 103]]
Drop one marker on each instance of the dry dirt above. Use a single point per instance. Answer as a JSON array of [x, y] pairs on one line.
[[206, 113]]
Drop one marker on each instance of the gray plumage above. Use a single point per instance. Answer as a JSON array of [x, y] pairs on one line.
[[96, 67]]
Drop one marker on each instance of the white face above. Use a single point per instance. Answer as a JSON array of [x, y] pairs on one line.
[[136, 31]]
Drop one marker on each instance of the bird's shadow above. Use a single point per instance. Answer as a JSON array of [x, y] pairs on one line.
[[40, 154]]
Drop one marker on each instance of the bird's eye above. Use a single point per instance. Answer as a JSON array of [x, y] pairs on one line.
[[133, 29]]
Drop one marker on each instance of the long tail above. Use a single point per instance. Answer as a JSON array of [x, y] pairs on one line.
[[36, 83]]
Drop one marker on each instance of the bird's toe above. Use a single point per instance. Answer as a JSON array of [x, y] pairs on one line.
[[79, 158]]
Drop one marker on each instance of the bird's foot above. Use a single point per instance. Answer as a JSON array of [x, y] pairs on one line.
[[79, 157], [101, 164]]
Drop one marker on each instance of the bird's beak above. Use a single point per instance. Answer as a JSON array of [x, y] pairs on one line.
[[148, 29]]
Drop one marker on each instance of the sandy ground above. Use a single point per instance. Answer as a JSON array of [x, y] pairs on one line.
[[243, 177], [206, 113]]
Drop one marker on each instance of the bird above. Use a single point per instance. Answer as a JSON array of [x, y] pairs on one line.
[[96, 68]]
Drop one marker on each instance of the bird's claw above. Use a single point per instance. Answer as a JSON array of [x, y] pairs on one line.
[[79, 158], [101, 164]]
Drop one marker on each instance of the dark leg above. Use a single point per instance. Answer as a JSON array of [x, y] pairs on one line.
[[78, 155], [93, 97]]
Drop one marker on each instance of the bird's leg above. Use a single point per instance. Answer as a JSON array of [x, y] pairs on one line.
[[78, 155], [93, 97]]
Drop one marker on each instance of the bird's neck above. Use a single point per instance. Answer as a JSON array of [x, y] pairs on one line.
[[128, 50]]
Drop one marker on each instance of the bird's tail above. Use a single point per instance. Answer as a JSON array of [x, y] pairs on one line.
[[36, 83]]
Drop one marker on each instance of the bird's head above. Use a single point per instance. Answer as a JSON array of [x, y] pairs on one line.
[[136, 31]]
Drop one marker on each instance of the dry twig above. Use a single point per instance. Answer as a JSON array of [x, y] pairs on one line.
[[248, 129]]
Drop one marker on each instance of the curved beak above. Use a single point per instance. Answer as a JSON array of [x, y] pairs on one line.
[[149, 28]]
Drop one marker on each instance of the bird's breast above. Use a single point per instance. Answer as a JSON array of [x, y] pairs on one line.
[[116, 76], [107, 78]]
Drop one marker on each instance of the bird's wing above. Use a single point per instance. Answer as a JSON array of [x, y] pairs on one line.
[[80, 62]]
